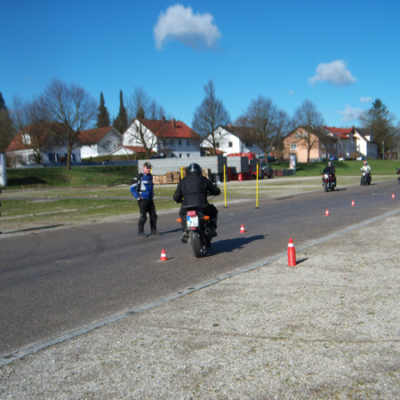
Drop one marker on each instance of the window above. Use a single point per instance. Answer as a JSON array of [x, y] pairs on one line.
[[72, 156], [230, 144], [53, 157], [293, 146], [26, 139], [334, 145], [188, 155], [187, 143], [172, 141], [323, 145], [329, 145], [297, 136], [180, 155], [180, 142]]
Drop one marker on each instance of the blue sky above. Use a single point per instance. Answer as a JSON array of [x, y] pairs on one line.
[[341, 55]]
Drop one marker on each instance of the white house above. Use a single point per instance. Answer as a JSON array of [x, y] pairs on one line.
[[99, 141], [233, 139], [365, 142], [28, 147], [170, 139]]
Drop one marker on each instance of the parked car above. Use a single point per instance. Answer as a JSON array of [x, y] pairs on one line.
[[333, 158]]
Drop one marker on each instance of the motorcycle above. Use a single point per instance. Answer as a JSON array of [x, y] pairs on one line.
[[329, 181], [199, 231], [398, 171], [365, 178]]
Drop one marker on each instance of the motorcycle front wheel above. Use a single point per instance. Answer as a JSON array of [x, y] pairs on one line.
[[326, 186], [197, 245]]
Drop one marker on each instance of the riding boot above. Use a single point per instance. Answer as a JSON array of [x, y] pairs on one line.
[[141, 228], [153, 227]]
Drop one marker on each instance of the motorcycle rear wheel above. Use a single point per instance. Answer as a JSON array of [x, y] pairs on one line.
[[197, 245]]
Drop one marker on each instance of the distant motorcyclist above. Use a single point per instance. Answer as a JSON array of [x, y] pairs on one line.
[[192, 192], [330, 170], [365, 168]]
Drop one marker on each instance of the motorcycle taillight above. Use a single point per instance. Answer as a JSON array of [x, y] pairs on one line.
[[192, 213]]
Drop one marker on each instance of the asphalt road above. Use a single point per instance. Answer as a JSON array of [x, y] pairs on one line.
[[58, 280]]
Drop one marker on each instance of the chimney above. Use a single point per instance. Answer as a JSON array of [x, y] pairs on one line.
[[163, 118], [173, 123]]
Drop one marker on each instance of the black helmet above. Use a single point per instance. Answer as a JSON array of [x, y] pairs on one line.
[[194, 169]]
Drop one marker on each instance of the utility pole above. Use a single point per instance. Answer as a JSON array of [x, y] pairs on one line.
[[383, 150]]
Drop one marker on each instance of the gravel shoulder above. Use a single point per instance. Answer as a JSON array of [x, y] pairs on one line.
[[325, 329]]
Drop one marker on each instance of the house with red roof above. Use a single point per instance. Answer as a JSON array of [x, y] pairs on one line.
[[99, 142], [166, 138], [346, 143], [354, 140], [37, 145]]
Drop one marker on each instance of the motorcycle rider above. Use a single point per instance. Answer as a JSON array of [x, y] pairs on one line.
[[365, 168], [330, 170], [192, 192]]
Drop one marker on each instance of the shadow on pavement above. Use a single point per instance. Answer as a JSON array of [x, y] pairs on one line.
[[229, 245]]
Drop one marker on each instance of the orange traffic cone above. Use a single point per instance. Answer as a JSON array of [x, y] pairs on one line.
[[163, 255], [393, 196], [352, 203], [291, 252], [242, 230], [327, 213]]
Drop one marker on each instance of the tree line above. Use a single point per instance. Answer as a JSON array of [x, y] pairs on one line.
[[64, 110]]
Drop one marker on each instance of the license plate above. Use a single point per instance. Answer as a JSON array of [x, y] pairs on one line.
[[192, 222]]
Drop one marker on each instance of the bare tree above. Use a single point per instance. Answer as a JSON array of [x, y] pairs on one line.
[[31, 120], [147, 119], [309, 118], [73, 108], [267, 123], [209, 115], [307, 115]]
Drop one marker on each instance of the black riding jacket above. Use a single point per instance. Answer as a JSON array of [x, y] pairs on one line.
[[193, 189], [329, 170]]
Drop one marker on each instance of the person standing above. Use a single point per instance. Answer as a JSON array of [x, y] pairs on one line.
[[142, 190]]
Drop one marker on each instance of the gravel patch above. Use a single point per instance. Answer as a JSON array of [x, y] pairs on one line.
[[328, 328]]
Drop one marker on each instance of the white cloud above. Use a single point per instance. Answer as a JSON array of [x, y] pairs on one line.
[[193, 30], [334, 72], [350, 113], [366, 99]]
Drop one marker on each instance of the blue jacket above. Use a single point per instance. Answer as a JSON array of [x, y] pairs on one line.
[[143, 187]]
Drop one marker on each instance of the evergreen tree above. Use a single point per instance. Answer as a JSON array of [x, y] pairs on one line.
[[103, 118], [380, 120], [121, 122], [2, 103], [7, 130]]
